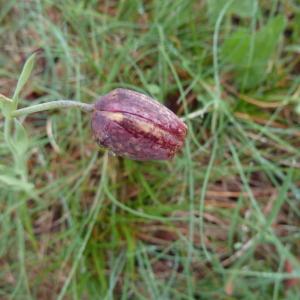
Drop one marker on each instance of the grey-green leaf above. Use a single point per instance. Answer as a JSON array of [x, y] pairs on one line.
[[20, 141], [25, 74], [15, 183], [6, 105]]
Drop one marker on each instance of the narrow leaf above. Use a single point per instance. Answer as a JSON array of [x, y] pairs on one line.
[[6, 105], [21, 141], [15, 183], [5, 99], [27, 69]]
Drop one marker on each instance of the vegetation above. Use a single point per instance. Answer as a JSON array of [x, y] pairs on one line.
[[219, 221]]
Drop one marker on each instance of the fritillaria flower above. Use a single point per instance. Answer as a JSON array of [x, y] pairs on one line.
[[136, 126], [128, 123]]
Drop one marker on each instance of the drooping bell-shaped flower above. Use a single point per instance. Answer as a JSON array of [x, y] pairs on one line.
[[136, 126]]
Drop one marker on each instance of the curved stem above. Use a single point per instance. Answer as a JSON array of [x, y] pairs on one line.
[[52, 105]]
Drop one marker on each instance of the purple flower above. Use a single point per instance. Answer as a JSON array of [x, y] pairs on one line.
[[136, 126]]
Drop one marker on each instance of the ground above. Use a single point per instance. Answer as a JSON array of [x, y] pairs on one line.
[[220, 220]]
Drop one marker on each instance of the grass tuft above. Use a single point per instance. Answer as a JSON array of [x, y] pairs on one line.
[[220, 221]]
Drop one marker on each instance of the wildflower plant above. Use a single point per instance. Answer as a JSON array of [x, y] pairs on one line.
[[128, 123]]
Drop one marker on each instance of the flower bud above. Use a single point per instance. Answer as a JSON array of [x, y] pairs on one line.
[[136, 126]]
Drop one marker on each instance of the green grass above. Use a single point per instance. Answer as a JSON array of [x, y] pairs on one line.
[[221, 220]]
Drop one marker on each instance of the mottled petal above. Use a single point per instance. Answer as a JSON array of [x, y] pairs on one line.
[[133, 125], [123, 100]]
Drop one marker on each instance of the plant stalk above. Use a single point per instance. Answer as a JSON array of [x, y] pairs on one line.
[[52, 105]]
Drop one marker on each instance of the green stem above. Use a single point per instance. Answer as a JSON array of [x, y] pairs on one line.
[[52, 105], [7, 130]]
